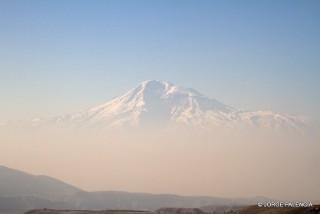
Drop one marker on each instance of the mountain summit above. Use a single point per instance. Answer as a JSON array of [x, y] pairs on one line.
[[162, 103]]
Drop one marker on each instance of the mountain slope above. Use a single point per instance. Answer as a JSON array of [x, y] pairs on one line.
[[147, 201], [14, 183], [160, 104], [20, 191]]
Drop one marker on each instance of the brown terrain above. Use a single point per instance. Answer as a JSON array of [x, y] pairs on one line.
[[245, 210], [160, 211], [51, 211]]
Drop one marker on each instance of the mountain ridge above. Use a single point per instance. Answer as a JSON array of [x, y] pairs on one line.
[[25, 184], [17, 198], [164, 104]]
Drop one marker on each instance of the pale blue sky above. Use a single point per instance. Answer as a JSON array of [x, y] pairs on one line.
[[63, 56]]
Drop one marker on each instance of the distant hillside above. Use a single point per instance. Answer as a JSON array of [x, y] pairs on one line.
[[14, 183], [18, 205], [141, 201], [180, 211], [20, 191]]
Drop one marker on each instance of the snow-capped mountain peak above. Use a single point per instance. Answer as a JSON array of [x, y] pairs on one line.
[[155, 102], [162, 103]]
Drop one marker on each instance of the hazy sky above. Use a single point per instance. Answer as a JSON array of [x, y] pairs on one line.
[[59, 57], [224, 164], [64, 56]]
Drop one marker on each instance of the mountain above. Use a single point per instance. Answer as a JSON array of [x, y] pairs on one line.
[[14, 183], [141, 201], [20, 191], [163, 104]]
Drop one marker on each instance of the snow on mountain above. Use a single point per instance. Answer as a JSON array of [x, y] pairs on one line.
[[162, 103]]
